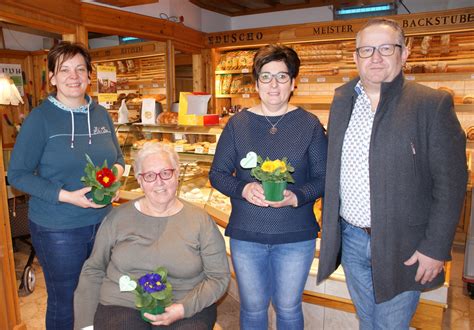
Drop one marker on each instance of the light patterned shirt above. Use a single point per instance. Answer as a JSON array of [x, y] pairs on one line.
[[355, 180]]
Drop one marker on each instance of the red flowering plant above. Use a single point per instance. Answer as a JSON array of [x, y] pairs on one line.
[[103, 181], [153, 292]]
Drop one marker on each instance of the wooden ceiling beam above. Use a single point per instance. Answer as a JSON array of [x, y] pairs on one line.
[[126, 3], [118, 22]]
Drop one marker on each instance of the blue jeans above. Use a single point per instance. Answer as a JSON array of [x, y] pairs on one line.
[[395, 313], [61, 253], [271, 272]]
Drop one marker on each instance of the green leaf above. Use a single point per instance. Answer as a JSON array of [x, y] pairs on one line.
[[98, 194], [163, 272], [89, 160], [115, 171]]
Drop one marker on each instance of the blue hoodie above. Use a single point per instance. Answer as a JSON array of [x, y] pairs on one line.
[[49, 155]]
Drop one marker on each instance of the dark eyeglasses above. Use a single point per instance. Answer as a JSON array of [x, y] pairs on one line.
[[384, 50], [266, 77], [164, 174]]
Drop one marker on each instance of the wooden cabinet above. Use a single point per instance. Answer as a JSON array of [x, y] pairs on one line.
[[141, 73], [437, 60]]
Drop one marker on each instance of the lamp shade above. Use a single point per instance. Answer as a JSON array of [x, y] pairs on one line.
[[9, 94]]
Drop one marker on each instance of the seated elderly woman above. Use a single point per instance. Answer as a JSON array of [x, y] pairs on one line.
[[136, 238]]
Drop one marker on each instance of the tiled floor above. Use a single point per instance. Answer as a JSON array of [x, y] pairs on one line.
[[458, 316]]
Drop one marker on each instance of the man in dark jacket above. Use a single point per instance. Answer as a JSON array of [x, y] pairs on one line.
[[395, 182]]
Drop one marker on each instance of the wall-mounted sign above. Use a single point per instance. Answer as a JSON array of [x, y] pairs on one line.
[[419, 23], [107, 83]]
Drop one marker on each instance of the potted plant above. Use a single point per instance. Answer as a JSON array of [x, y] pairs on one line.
[[153, 292], [103, 181], [274, 175]]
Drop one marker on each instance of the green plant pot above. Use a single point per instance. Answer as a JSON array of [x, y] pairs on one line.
[[155, 311], [274, 190], [107, 199]]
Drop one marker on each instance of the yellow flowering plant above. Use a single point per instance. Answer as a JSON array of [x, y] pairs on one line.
[[273, 170]]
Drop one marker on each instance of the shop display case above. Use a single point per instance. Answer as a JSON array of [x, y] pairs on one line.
[[195, 146]]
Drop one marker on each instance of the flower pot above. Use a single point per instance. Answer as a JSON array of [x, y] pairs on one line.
[[157, 310], [107, 199], [274, 190]]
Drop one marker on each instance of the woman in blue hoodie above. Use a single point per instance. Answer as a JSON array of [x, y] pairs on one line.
[[47, 163]]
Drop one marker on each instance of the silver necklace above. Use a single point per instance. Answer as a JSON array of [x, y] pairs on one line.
[[274, 130]]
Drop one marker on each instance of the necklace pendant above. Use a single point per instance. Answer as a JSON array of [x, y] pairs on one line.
[[273, 130]]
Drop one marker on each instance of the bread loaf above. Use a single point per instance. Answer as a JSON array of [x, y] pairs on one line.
[[468, 99], [168, 118], [446, 89]]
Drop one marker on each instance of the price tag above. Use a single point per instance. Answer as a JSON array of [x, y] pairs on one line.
[[140, 86], [126, 171], [345, 79], [199, 150], [472, 76], [178, 136], [155, 85], [321, 79], [245, 70], [212, 151], [410, 78], [245, 96], [304, 80], [178, 148]]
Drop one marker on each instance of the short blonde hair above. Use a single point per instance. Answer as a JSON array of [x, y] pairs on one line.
[[155, 148]]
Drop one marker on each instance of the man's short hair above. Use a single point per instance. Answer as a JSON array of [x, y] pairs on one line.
[[384, 21]]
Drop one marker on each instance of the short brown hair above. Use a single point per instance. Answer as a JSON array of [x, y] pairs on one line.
[[64, 51], [270, 53], [384, 21]]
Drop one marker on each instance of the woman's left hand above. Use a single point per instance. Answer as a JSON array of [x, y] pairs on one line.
[[172, 314], [116, 196], [289, 199]]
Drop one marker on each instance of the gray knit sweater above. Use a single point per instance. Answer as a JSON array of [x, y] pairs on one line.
[[131, 243]]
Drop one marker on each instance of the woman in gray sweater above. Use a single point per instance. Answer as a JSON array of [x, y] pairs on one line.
[[137, 237]]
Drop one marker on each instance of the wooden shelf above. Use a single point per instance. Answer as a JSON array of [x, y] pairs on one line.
[[241, 96], [237, 71], [206, 130]]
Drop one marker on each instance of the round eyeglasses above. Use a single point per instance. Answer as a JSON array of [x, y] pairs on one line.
[[280, 77], [384, 50], [164, 174]]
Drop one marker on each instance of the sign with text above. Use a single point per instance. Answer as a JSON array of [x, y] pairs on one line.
[[107, 83], [420, 23]]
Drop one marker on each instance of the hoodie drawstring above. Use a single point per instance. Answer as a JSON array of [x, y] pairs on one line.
[[88, 126], [72, 133], [89, 123]]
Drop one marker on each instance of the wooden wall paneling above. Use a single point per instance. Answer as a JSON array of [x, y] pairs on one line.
[[48, 15], [40, 83], [9, 308], [15, 114], [211, 58], [199, 84], [170, 75], [2, 39], [79, 36]]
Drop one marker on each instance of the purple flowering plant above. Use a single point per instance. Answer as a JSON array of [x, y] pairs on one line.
[[152, 291]]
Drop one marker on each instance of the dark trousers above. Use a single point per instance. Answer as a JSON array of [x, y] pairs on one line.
[[61, 253], [123, 318]]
